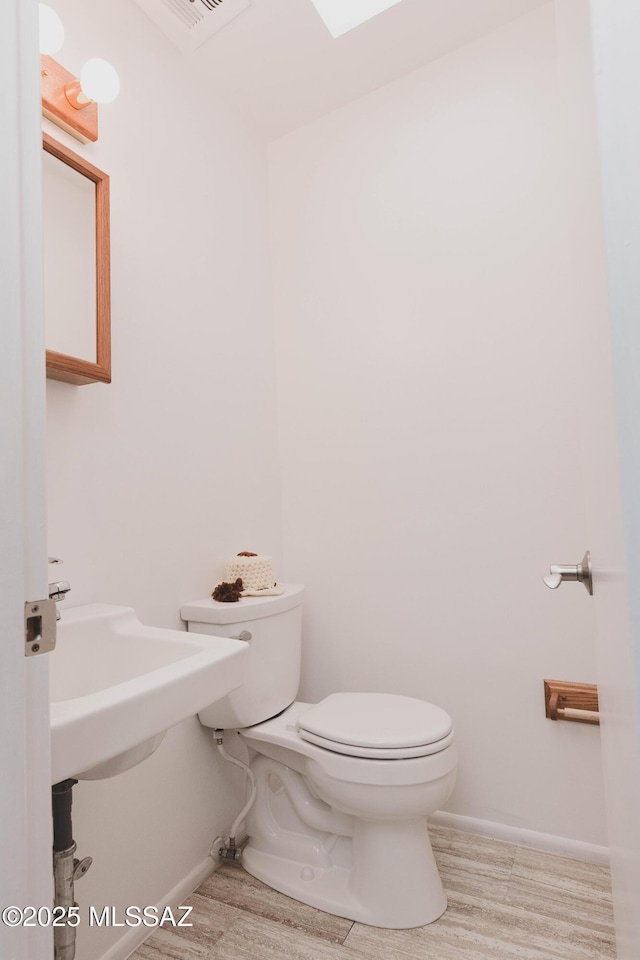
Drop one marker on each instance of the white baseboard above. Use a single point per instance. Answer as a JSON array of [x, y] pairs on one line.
[[174, 898], [562, 846]]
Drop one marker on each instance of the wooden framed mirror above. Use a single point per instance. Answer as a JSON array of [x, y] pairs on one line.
[[77, 268]]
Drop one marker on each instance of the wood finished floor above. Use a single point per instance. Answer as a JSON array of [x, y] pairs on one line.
[[505, 903]]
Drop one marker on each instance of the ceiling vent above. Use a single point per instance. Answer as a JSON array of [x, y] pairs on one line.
[[190, 23]]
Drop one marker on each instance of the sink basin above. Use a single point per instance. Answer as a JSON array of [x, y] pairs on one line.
[[116, 686]]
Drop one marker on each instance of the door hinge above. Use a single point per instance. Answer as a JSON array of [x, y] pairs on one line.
[[39, 627]]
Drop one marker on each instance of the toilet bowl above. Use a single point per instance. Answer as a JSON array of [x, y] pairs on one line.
[[344, 786], [342, 833]]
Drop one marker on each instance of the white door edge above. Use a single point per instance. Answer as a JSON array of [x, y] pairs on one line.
[[604, 194], [25, 805]]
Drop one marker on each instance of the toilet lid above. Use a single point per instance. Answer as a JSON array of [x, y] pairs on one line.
[[377, 725]]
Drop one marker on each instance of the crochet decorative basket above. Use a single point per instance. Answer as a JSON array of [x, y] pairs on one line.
[[255, 572]]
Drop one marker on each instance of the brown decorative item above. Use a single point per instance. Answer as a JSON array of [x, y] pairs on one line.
[[565, 700], [247, 553], [228, 592]]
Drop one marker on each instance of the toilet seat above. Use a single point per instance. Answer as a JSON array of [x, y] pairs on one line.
[[377, 726], [378, 753]]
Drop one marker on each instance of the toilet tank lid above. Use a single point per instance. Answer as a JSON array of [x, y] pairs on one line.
[[247, 608]]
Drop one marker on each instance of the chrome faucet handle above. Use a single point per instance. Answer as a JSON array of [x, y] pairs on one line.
[[59, 589]]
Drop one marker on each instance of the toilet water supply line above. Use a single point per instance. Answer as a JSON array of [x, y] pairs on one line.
[[229, 851]]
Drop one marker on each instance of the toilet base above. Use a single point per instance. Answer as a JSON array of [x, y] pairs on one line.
[[397, 886]]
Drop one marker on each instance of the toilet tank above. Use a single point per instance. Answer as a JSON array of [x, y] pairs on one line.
[[273, 672]]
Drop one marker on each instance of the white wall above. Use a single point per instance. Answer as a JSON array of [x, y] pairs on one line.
[[616, 28], [428, 423], [159, 477], [429, 416]]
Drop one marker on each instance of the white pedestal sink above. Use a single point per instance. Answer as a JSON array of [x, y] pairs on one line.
[[116, 686]]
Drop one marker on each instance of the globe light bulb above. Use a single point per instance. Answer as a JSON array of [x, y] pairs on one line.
[[51, 30], [99, 81]]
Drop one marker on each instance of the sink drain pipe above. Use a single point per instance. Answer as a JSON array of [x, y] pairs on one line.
[[66, 869], [229, 850]]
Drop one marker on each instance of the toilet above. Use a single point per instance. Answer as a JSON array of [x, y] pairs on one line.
[[344, 786]]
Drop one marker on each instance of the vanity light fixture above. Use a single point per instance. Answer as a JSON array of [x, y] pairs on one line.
[[51, 29], [67, 101], [340, 16]]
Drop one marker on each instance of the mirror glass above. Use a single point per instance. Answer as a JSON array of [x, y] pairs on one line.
[[76, 267], [69, 223]]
